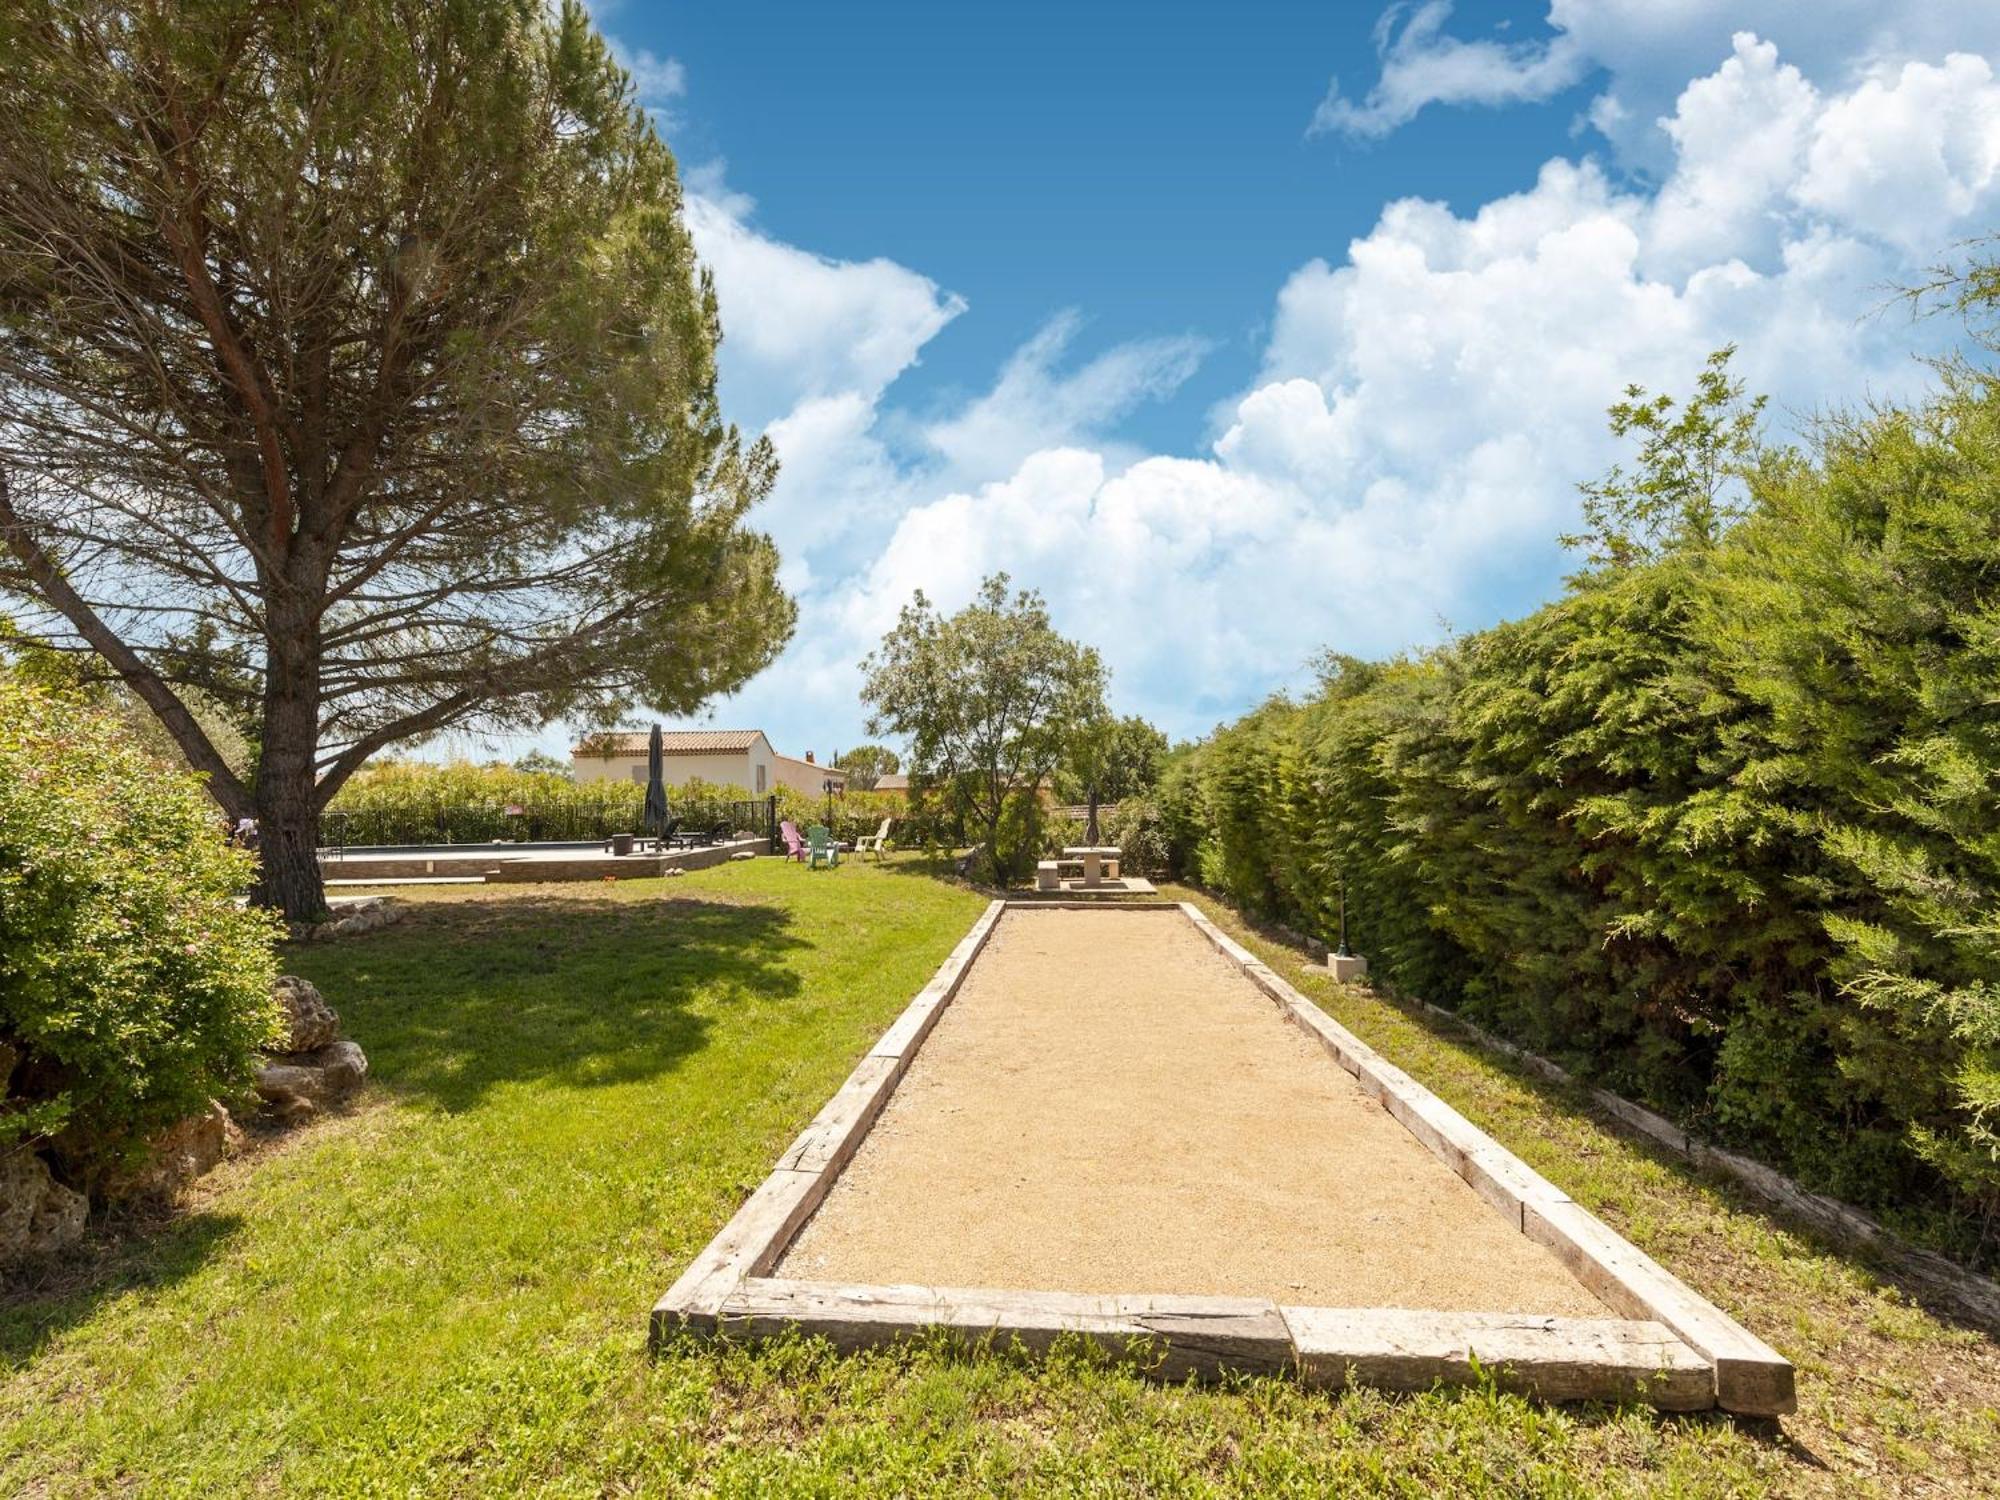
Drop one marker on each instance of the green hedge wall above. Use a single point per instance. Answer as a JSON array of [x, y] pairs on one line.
[[1720, 830], [420, 802], [416, 802]]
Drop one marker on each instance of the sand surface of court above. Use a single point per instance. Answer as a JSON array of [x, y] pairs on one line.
[[1109, 1105]]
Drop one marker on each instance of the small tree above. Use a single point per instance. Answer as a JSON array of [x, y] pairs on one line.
[[541, 763], [356, 374], [989, 702], [1110, 760], [1691, 467], [867, 764], [1084, 763]]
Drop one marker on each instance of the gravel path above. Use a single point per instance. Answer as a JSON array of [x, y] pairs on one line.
[[1110, 1106]]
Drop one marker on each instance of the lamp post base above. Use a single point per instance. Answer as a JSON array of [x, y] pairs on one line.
[[1346, 966]]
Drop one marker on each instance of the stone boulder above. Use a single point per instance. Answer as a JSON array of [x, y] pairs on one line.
[[301, 1083], [312, 1022], [181, 1153], [349, 918], [38, 1215]]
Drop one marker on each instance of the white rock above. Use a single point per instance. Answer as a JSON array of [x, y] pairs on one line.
[[313, 1023], [38, 1215], [297, 1085]]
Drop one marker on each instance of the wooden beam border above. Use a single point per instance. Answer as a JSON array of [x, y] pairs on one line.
[[754, 1239], [1175, 1336], [1027, 901], [1750, 1377], [1203, 1338], [1673, 1350], [1931, 1276]]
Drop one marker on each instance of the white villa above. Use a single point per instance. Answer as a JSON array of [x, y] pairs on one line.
[[721, 757]]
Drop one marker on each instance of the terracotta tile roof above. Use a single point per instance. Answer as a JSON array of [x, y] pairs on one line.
[[672, 741]]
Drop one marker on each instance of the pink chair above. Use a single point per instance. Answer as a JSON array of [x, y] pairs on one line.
[[795, 847]]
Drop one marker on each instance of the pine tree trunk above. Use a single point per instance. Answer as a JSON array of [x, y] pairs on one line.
[[285, 794], [288, 829]]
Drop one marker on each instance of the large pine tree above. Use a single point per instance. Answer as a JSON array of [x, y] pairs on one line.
[[356, 373]]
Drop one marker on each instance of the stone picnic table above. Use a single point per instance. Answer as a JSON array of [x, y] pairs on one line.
[[1093, 857]]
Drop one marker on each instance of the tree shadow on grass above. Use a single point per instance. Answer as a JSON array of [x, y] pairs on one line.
[[40, 1301], [466, 995], [939, 869]]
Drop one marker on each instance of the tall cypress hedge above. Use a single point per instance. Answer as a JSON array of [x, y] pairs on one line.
[[1720, 827]]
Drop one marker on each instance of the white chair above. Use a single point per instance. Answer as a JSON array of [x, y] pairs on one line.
[[871, 843]]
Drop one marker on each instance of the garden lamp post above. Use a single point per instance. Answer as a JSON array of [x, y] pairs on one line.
[[1340, 963], [1341, 878]]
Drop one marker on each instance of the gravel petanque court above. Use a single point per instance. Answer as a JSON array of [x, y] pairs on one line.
[[1109, 1105]]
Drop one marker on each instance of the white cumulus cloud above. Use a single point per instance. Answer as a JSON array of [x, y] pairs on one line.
[[1036, 403], [1422, 65], [1912, 156], [1427, 399], [799, 326], [1641, 53], [1427, 403]]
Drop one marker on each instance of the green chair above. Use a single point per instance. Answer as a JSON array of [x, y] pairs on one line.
[[819, 847]]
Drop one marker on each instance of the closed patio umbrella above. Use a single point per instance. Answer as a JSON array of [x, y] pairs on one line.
[[654, 819]]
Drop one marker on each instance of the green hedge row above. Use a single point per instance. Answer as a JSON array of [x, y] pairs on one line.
[[414, 802], [419, 802], [1719, 828]]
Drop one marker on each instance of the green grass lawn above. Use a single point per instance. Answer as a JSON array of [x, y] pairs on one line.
[[445, 1290]]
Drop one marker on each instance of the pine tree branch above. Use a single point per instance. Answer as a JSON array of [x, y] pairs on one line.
[[223, 783]]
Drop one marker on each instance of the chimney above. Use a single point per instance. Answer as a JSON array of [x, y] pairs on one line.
[[809, 758]]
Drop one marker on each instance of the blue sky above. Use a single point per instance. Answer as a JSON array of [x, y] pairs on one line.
[[1245, 331], [1146, 166]]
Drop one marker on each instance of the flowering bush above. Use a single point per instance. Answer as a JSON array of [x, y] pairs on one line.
[[133, 987]]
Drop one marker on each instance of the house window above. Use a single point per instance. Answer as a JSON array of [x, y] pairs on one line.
[[760, 779]]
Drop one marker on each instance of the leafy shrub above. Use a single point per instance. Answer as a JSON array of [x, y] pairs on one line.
[[132, 986], [1183, 813], [1136, 829], [860, 813], [419, 802]]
